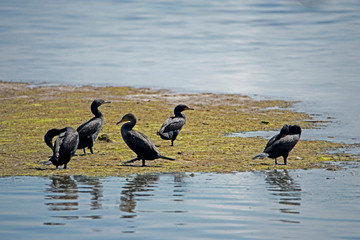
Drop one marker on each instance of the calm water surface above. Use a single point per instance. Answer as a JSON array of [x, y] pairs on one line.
[[277, 204], [303, 50]]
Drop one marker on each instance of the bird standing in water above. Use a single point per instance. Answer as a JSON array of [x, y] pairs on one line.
[[65, 145], [89, 131], [144, 148], [172, 126], [282, 143]]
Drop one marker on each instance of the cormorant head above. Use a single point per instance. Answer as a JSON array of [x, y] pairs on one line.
[[182, 107], [284, 130], [98, 103], [294, 129], [127, 118], [50, 135]]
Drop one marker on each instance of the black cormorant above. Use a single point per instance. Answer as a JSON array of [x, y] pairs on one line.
[[172, 126], [65, 145], [89, 131], [138, 142], [282, 143]]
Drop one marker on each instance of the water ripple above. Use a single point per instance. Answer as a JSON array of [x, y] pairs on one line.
[[277, 203]]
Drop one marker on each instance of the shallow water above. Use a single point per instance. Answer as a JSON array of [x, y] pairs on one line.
[[302, 50], [277, 204]]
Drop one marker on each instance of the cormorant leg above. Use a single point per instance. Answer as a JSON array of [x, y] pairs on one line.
[[84, 151], [276, 161], [132, 160], [143, 163], [92, 152], [64, 166], [172, 142], [285, 160], [56, 167]]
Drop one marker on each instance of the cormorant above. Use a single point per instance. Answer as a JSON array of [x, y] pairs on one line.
[[172, 126], [89, 131], [138, 142], [65, 145], [282, 143]]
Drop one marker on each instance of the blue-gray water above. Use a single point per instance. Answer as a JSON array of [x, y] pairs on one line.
[[277, 204], [302, 50]]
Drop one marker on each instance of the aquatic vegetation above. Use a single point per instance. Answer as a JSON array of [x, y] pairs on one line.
[[27, 113]]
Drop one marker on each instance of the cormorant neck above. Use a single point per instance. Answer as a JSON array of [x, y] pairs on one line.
[[178, 113], [95, 110], [51, 134], [129, 125]]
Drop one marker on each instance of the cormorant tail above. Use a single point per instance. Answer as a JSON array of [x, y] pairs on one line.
[[167, 158], [261, 156], [46, 163]]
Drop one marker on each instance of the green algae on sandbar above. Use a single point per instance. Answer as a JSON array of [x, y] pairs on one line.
[[27, 113]]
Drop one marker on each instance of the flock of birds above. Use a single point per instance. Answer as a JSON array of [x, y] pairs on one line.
[[69, 139]]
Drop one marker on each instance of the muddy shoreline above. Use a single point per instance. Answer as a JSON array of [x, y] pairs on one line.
[[28, 112]]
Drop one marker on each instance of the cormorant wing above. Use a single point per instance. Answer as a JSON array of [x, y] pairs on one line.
[[284, 131], [90, 127], [172, 124], [271, 142], [58, 144], [284, 144], [69, 143], [139, 142], [290, 141]]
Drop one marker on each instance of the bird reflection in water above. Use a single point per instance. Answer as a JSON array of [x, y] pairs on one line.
[[62, 195], [135, 190], [94, 187], [142, 188], [179, 187], [286, 190]]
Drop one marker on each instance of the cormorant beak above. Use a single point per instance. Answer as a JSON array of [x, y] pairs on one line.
[[188, 108], [122, 120], [107, 101]]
